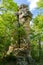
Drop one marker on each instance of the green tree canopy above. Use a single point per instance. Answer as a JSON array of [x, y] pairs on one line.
[[7, 20], [40, 4]]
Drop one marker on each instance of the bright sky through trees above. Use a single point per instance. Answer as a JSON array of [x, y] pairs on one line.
[[31, 3]]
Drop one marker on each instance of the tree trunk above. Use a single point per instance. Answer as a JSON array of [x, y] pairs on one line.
[[18, 31]]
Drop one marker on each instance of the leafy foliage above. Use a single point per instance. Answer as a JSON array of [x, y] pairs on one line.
[[7, 20], [36, 37], [40, 4]]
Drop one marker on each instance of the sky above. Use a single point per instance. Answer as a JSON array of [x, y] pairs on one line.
[[31, 3]]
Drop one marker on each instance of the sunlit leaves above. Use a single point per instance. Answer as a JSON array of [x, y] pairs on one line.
[[40, 4], [8, 6], [38, 23], [7, 21]]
